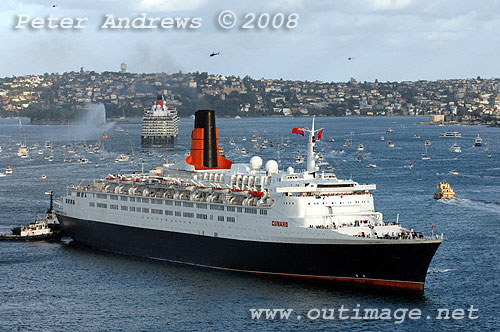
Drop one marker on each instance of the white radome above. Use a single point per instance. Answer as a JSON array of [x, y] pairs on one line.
[[256, 162], [272, 167]]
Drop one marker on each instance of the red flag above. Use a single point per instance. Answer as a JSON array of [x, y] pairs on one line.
[[299, 131], [432, 226], [320, 134]]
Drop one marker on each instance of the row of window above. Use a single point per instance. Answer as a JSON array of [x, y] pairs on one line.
[[216, 207], [69, 201], [161, 212]]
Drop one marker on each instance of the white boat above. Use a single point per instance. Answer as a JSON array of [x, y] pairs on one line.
[[122, 158], [382, 138], [83, 160], [456, 148], [8, 171], [23, 151], [451, 134], [416, 136], [372, 165], [425, 156], [390, 131], [2, 175], [427, 142], [361, 147], [167, 164], [478, 141], [390, 144]]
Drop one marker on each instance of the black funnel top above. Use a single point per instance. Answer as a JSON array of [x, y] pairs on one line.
[[159, 97], [206, 119]]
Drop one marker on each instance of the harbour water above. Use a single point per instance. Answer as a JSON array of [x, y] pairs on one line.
[[61, 286]]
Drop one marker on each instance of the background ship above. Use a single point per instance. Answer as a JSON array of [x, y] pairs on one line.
[[159, 126]]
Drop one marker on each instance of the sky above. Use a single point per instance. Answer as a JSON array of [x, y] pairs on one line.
[[388, 40]]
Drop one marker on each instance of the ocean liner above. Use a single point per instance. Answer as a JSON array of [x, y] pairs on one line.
[[159, 126], [208, 211]]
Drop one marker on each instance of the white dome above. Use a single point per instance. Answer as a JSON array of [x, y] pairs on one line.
[[256, 162], [290, 170], [272, 167]]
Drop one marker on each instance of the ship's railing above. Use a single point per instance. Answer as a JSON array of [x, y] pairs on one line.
[[405, 235]]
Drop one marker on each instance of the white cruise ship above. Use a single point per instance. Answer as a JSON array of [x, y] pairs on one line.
[[210, 212], [160, 126]]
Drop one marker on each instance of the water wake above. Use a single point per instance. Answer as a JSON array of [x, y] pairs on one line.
[[439, 271], [476, 205]]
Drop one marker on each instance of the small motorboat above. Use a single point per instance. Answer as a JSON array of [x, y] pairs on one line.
[[478, 141]]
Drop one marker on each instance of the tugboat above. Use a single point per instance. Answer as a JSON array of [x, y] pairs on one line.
[[39, 230], [444, 190]]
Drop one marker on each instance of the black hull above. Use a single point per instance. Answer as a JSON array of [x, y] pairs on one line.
[[394, 265], [157, 142]]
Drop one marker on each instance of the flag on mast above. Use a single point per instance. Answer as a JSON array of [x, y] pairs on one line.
[[320, 134], [298, 131]]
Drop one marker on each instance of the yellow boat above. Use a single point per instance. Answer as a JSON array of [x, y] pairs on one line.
[[444, 190]]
